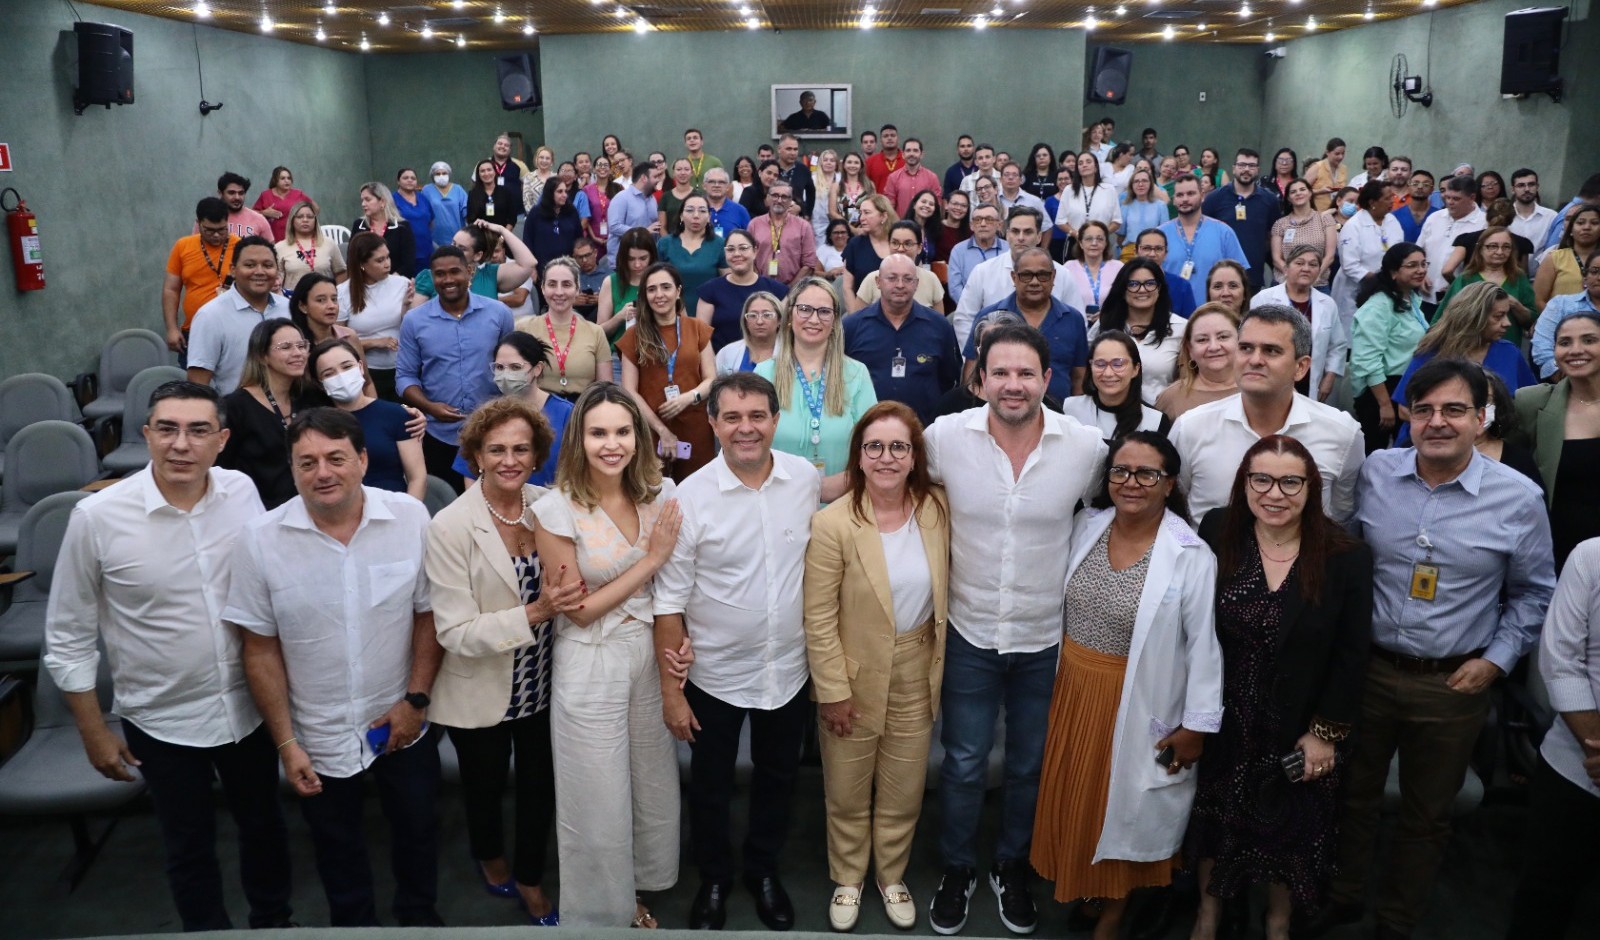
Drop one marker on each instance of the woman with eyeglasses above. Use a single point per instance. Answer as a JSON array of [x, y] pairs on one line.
[[906, 240], [596, 202], [759, 324], [1138, 688], [821, 393], [272, 389], [721, 300], [1092, 268], [1138, 304], [1285, 170], [692, 247], [1473, 328], [1294, 621], [830, 253], [1111, 399], [1330, 339], [668, 366], [1561, 425], [1388, 325], [876, 669]]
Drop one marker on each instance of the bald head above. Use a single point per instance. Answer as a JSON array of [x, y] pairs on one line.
[[897, 282]]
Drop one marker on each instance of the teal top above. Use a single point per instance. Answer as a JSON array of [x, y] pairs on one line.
[[485, 282], [832, 449], [696, 268], [1384, 340]]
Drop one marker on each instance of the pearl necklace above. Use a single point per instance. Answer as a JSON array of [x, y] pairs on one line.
[[502, 519]]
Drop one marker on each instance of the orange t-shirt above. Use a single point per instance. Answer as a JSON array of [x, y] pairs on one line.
[[203, 272]]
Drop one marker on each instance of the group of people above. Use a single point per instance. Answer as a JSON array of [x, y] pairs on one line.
[[1077, 462]]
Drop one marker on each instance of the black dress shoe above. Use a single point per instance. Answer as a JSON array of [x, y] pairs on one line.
[[1319, 922], [772, 902], [1161, 908], [710, 910]]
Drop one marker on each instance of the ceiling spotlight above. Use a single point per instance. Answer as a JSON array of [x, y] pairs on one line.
[[597, 2], [998, 11], [383, 18], [641, 26], [427, 31], [752, 23], [321, 36], [1199, 27], [1311, 22], [330, 9], [1271, 36], [1428, 3], [1244, 10], [458, 4], [869, 10], [981, 22], [1367, 15], [1089, 24], [499, 17], [1168, 32], [620, 11], [201, 11], [364, 44], [1122, 11], [461, 41], [744, 9], [266, 23], [528, 30]]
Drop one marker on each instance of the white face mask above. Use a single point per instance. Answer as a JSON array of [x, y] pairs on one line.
[[513, 383], [443, 179], [344, 387]]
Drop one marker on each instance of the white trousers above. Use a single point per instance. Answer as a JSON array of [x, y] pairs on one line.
[[616, 765]]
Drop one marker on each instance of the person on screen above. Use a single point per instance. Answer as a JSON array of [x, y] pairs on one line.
[[808, 118]]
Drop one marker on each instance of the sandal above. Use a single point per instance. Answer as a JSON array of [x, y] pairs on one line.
[[643, 918]]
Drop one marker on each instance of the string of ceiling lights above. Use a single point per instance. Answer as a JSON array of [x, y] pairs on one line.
[[382, 20]]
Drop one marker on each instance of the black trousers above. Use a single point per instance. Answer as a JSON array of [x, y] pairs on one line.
[[440, 457], [1561, 857], [484, 755], [776, 738], [1368, 413], [180, 779], [408, 788]]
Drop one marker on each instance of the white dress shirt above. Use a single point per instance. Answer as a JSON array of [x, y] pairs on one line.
[[151, 580], [736, 576], [990, 282], [343, 613], [1438, 236], [1212, 439], [1534, 225], [1098, 204], [1022, 198], [1009, 536]]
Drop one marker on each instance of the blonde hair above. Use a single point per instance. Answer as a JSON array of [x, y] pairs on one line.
[[1188, 369], [641, 479], [381, 192], [885, 208], [784, 367], [744, 329], [1459, 332]]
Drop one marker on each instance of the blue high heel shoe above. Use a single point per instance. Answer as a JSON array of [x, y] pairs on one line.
[[505, 889]]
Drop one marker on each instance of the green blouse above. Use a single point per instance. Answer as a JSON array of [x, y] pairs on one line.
[[1383, 340], [832, 449]]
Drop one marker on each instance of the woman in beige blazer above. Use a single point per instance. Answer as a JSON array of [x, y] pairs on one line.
[[875, 591], [492, 609]]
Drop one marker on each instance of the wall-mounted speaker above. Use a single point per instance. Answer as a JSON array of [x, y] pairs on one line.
[[105, 65], [1531, 61], [1108, 79], [519, 86]]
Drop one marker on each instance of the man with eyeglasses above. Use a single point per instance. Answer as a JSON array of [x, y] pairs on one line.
[[198, 269], [1274, 353], [219, 335], [1247, 209], [1063, 327], [990, 282], [330, 596], [984, 244], [909, 350], [1462, 576], [726, 215], [786, 247], [591, 277], [1558, 309], [177, 673]]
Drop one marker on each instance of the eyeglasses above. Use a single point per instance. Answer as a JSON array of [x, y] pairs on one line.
[[899, 450], [779, 197], [1144, 476], [1592, 272], [1112, 365], [1141, 287], [1035, 276], [1496, 246], [1287, 485], [1413, 265], [808, 312], [199, 433], [761, 315], [301, 346], [1246, 166], [1453, 411]]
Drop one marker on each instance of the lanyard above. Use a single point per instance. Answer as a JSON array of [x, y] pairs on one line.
[[695, 167], [222, 258], [1088, 201], [814, 399], [308, 255], [1188, 242], [561, 354], [266, 388], [1094, 280], [672, 360]]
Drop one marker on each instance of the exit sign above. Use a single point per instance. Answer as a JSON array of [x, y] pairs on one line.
[[5, 158]]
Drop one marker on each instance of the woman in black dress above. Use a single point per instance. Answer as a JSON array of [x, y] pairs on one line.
[[272, 388], [1294, 617]]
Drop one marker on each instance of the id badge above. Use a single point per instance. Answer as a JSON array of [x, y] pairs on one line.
[[1239, 213], [717, 230], [1187, 271], [488, 209], [1288, 236], [1424, 581], [772, 267], [671, 391], [499, 180], [897, 367]]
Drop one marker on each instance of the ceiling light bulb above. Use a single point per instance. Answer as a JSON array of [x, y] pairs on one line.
[[1311, 22], [744, 9], [620, 11], [752, 23], [427, 31], [499, 17], [461, 41], [1122, 11], [460, 3], [383, 18], [364, 44], [330, 9], [1367, 15], [1200, 27], [528, 30], [266, 23], [321, 36], [1271, 36], [1167, 33], [1089, 24], [870, 10], [201, 11], [1244, 10], [980, 23], [640, 26]]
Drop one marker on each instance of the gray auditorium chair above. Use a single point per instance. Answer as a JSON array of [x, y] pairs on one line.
[[126, 354], [45, 457], [438, 495], [25, 591], [50, 775], [132, 452], [29, 398]]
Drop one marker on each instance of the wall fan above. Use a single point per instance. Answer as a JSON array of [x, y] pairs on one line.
[[1405, 88]]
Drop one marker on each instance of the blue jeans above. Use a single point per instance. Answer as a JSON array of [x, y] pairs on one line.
[[976, 681]]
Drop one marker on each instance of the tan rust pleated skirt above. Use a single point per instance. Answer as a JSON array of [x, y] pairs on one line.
[[1076, 778]]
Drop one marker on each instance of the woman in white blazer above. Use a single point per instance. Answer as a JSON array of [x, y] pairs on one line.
[[492, 612], [1362, 242], [1139, 687], [1330, 333]]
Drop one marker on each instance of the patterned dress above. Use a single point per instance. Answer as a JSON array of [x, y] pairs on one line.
[[530, 672], [1247, 816]]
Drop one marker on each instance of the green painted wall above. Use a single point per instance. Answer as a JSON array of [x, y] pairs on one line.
[[1002, 85], [439, 106], [114, 189], [1337, 84], [1164, 86]]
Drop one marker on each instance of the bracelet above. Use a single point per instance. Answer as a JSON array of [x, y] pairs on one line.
[[1331, 731], [286, 744]]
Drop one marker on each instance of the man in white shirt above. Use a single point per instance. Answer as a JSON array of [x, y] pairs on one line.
[[1274, 354], [220, 333], [144, 568], [1011, 192], [1532, 220], [990, 282], [340, 654], [1014, 473], [983, 159], [1439, 232], [733, 588]]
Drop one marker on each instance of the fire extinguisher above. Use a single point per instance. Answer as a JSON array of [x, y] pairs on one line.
[[22, 232]]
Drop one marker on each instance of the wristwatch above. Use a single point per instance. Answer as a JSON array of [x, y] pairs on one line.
[[418, 700], [697, 396]]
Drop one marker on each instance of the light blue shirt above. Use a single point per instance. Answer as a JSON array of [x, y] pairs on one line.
[[219, 336], [1213, 241], [450, 357], [1138, 216], [629, 209], [1486, 531], [449, 212], [1544, 329], [1569, 660], [965, 256]]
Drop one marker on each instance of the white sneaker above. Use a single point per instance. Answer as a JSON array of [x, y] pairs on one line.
[[898, 905], [845, 909]]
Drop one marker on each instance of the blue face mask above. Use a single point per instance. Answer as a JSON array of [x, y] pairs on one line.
[[1347, 209]]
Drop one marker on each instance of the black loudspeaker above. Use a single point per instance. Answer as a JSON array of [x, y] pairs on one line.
[[105, 65], [1108, 80], [1531, 61], [519, 87]]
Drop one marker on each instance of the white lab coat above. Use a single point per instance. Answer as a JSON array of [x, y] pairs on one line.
[[1174, 678], [1330, 337], [1362, 243]]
